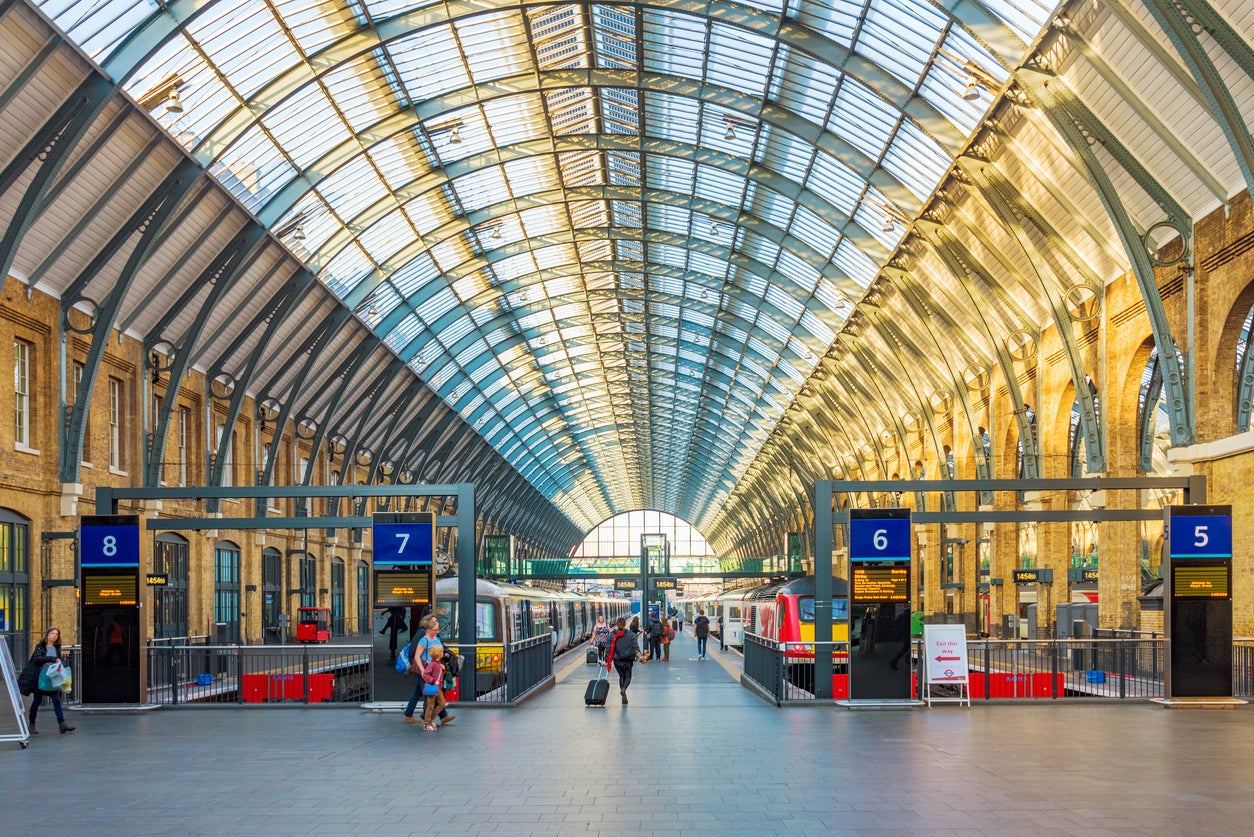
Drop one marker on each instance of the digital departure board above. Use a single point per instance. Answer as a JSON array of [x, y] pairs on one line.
[[1208, 581], [110, 589], [881, 584], [392, 589]]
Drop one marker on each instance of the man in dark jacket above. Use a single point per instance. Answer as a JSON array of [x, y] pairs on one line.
[[701, 629], [656, 630]]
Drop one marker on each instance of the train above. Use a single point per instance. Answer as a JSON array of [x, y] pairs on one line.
[[507, 613], [782, 611]]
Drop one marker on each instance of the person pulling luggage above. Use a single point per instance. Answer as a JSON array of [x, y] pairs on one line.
[[623, 649]]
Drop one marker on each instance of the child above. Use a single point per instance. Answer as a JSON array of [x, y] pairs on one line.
[[433, 674]]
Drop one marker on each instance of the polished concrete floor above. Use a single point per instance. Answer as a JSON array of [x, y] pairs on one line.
[[693, 753]]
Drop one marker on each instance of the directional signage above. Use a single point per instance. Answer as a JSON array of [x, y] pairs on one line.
[[879, 534], [945, 647], [109, 540], [1200, 532], [404, 539]]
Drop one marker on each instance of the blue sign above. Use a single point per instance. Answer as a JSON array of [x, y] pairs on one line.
[[1201, 536], [404, 539], [879, 538], [109, 541]]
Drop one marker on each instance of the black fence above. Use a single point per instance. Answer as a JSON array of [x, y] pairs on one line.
[[528, 663], [259, 674]]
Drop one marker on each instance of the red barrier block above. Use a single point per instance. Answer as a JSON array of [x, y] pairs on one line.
[[259, 688], [1027, 685]]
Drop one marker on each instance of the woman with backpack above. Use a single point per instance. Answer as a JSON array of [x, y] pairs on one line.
[[623, 649]]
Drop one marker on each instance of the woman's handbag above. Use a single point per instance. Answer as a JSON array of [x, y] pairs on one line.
[[28, 680]]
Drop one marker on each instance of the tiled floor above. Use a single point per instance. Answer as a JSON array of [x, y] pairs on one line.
[[693, 754]]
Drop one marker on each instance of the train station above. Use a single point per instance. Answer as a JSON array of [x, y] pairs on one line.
[[882, 365]]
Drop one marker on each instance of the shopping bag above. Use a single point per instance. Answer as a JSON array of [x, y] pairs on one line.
[[68, 683], [58, 673], [402, 661]]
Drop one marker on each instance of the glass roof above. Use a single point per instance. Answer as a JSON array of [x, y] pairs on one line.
[[615, 237]]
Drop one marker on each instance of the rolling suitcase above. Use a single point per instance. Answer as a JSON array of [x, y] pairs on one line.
[[593, 659], [597, 690]]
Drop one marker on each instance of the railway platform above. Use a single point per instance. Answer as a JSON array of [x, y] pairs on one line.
[[693, 753]]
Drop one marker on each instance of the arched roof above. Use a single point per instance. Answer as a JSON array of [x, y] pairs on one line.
[[622, 240]]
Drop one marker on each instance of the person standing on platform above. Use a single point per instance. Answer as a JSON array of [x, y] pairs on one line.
[[634, 627], [601, 638], [701, 629], [722, 638], [47, 652], [623, 650], [668, 633], [656, 632]]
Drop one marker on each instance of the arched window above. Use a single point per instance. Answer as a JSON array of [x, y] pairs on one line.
[[15, 582], [271, 595], [226, 593], [308, 580], [170, 558], [363, 598], [337, 597]]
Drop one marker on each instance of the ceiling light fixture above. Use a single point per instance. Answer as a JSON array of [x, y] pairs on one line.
[[714, 229], [172, 103], [888, 225], [972, 90], [496, 233], [298, 234], [455, 134], [731, 131]]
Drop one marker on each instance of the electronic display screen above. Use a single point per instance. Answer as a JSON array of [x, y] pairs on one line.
[[1208, 581], [881, 584], [119, 589], [403, 589]]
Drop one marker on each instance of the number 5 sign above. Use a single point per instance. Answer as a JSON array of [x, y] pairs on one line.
[[879, 534], [1199, 531], [109, 540], [406, 538]]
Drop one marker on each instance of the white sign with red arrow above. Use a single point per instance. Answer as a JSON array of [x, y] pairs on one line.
[[945, 647]]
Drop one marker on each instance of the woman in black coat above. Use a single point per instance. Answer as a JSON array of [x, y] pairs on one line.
[[48, 651]]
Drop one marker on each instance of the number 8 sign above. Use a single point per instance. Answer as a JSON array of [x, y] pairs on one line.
[[109, 541]]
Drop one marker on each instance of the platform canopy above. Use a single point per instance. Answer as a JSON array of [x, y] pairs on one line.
[[677, 255]]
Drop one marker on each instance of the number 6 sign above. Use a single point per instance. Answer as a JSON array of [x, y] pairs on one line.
[[879, 534]]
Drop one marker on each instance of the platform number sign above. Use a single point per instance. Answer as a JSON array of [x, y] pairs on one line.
[[109, 540], [879, 534], [1199, 532], [404, 539]]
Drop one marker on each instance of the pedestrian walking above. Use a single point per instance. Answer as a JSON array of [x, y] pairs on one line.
[[623, 650], [433, 687], [668, 634], [420, 655], [634, 627], [46, 653], [601, 638], [701, 629], [722, 637]]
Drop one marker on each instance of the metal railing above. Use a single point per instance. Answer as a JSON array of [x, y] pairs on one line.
[[1112, 669], [528, 663], [171, 641], [259, 674]]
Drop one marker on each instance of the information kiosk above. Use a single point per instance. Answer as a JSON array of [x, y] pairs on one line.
[[879, 597], [404, 592], [108, 548], [1197, 601]]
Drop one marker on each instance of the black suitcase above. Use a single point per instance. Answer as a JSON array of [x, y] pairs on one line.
[[598, 690], [593, 659]]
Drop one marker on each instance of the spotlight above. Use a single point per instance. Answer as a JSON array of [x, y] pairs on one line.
[[731, 131], [972, 91], [887, 226], [172, 102], [455, 135], [298, 234]]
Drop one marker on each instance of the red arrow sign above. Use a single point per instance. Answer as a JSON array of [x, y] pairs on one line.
[[940, 659]]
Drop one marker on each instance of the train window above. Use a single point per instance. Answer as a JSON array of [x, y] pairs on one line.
[[840, 610], [486, 623], [733, 612]]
